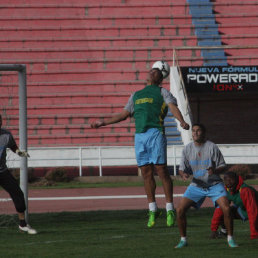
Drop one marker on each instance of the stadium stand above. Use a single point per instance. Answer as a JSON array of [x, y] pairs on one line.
[[237, 24], [236, 28], [207, 32], [230, 25], [85, 59]]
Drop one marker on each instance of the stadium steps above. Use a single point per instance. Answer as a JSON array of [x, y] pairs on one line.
[[236, 59], [96, 52], [84, 75], [49, 120], [184, 59], [78, 30], [151, 20], [133, 41], [240, 39], [50, 71], [238, 28], [63, 119], [68, 49], [68, 129], [92, 63], [221, 22], [91, 139], [108, 41], [91, 2], [235, 18], [71, 98], [229, 7], [203, 15], [76, 86], [242, 51], [245, 16], [70, 109], [61, 31], [85, 10], [95, 21]]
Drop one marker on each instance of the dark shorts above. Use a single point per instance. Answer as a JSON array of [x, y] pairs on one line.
[[10, 184]]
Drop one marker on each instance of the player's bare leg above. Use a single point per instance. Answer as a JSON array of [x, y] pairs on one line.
[[228, 220], [181, 210], [149, 182], [184, 205], [167, 184], [150, 188]]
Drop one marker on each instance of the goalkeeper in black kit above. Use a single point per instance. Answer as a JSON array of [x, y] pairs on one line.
[[8, 182]]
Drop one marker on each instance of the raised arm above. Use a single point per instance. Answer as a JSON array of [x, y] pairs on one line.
[[112, 120], [177, 114]]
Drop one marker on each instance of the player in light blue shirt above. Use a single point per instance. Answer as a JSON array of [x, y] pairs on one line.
[[202, 159]]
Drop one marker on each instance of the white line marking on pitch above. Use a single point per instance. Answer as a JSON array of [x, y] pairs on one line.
[[92, 197], [98, 197]]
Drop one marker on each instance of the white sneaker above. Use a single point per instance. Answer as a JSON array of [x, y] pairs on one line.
[[28, 229]]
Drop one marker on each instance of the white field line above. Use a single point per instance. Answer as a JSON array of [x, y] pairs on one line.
[[90, 197]]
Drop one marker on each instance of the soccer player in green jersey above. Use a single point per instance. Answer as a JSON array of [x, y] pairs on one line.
[[149, 107]]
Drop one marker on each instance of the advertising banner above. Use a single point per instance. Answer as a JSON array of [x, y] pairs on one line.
[[220, 79]]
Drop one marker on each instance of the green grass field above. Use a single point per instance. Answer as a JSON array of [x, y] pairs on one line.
[[77, 184], [120, 234]]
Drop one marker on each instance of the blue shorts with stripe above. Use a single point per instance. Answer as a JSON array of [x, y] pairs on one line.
[[151, 147], [198, 194]]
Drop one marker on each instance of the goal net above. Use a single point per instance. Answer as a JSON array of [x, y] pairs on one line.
[[13, 109]]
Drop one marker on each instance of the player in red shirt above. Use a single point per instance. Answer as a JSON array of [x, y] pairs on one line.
[[245, 204]]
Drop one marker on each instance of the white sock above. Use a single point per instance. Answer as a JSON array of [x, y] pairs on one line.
[[153, 206], [169, 206], [183, 239], [230, 238]]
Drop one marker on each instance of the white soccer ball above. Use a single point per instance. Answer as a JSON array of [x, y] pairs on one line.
[[163, 66]]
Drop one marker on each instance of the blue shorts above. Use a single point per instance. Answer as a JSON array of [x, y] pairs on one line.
[[151, 147], [198, 194]]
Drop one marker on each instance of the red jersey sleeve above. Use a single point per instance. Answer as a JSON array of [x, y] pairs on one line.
[[247, 196], [216, 219]]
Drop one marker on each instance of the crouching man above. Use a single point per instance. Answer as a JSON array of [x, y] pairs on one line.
[[245, 205]]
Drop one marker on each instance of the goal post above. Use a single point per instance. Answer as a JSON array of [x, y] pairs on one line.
[[21, 69]]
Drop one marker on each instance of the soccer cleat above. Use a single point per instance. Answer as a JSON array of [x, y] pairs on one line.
[[152, 217], [171, 218], [28, 229], [181, 244], [232, 243]]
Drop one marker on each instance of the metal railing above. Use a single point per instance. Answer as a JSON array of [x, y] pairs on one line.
[[115, 156]]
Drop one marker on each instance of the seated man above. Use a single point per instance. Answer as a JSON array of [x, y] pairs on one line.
[[245, 204]]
